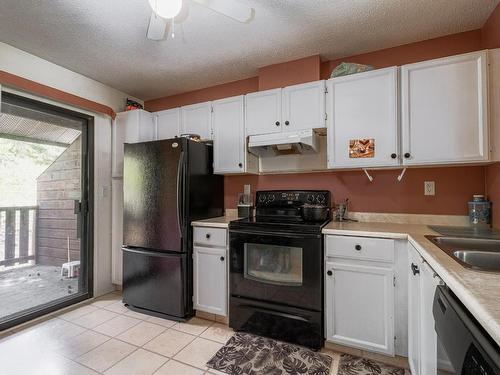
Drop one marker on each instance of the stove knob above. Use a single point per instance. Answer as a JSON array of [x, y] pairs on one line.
[[271, 197], [320, 198], [310, 198], [262, 198]]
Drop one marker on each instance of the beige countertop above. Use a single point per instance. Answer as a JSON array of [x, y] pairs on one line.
[[216, 222], [478, 291]]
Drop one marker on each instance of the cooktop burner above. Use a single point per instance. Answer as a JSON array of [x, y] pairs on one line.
[[281, 210]]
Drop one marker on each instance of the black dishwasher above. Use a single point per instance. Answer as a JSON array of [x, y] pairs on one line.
[[470, 349]]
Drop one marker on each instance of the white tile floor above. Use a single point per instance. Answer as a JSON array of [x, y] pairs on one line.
[[104, 337]]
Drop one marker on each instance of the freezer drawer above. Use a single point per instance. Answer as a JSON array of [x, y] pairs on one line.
[[155, 281]]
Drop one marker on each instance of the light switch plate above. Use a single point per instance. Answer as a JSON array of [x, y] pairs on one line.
[[429, 188]]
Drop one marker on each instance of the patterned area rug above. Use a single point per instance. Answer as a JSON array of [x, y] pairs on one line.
[[248, 354], [351, 365]]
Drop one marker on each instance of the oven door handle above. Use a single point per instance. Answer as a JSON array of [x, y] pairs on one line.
[[277, 313]]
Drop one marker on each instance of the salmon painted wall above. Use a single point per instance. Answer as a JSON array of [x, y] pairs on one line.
[[225, 90], [290, 73], [490, 34], [385, 194]]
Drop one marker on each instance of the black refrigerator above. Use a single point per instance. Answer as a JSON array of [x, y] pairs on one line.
[[166, 185]]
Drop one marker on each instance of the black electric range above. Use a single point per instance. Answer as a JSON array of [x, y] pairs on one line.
[[276, 269]]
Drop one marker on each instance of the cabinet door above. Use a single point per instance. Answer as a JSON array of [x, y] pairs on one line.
[[117, 140], [428, 336], [360, 306], [444, 110], [363, 120], [304, 106], [197, 119], [130, 127], [146, 126], [229, 135], [263, 112], [117, 232], [168, 123], [414, 296], [210, 280]]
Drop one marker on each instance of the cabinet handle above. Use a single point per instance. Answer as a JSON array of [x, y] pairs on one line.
[[414, 269], [287, 123], [222, 259], [329, 273], [277, 123], [240, 165], [207, 236], [358, 247], [394, 156], [407, 155]]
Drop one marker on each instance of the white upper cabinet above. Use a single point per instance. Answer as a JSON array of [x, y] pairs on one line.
[[263, 112], [229, 135], [168, 123], [130, 127], [494, 96], [363, 120], [138, 125], [292, 108], [304, 106], [444, 110], [197, 119]]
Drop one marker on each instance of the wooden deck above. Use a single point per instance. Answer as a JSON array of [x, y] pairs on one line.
[[25, 287]]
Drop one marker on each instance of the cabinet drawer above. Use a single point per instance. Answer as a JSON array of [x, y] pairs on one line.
[[364, 248], [209, 236]]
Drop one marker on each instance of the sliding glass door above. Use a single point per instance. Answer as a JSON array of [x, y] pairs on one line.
[[45, 208]]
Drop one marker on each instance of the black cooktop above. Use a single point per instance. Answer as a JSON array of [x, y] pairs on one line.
[[278, 223], [280, 210]]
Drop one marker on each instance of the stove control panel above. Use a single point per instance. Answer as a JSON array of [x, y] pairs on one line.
[[287, 198]]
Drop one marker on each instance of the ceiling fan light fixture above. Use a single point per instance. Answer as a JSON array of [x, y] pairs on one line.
[[166, 8]]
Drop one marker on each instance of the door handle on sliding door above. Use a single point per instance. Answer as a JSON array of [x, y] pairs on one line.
[[78, 208]]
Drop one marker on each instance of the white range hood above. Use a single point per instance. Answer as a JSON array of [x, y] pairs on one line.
[[284, 143]]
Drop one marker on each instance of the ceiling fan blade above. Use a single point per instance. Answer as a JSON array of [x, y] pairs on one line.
[[157, 27], [229, 8]]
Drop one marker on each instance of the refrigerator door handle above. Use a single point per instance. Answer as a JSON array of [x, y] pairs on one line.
[[180, 175]]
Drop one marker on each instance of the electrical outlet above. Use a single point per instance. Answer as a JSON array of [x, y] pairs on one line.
[[429, 188]]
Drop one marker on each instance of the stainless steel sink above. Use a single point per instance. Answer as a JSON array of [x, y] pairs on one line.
[[483, 260], [477, 253]]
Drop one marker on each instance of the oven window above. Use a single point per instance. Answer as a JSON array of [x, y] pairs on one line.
[[272, 264]]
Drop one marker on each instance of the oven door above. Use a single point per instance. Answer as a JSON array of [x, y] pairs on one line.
[[282, 268]]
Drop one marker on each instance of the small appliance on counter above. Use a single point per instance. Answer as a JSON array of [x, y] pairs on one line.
[[276, 268], [479, 211], [245, 205]]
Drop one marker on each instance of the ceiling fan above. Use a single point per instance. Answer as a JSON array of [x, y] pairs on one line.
[[164, 12]]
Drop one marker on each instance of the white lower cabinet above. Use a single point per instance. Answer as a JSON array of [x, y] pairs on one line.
[[359, 295], [210, 275], [360, 305], [425, 355]]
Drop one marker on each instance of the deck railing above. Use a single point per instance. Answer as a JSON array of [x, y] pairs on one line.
[[17, 234]]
